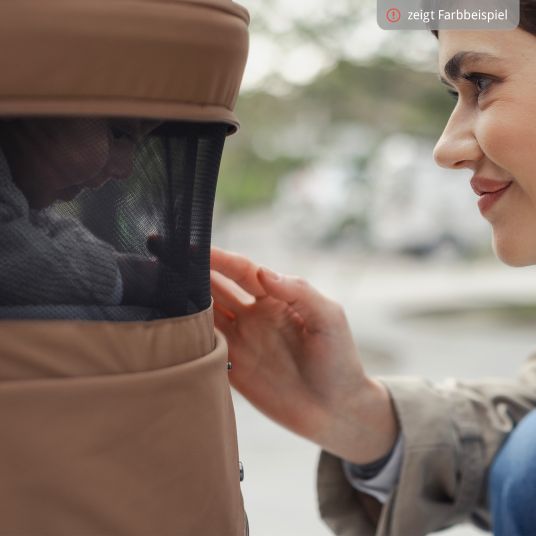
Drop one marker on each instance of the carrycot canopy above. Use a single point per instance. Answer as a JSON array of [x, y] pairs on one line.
[[113, 116], [167, 59]]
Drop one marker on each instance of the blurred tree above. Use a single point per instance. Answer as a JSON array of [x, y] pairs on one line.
[[281, 133]]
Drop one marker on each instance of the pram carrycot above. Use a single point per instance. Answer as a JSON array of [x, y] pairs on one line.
[[115, 410]]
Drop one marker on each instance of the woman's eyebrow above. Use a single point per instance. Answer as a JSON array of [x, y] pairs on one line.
[[453, 67]]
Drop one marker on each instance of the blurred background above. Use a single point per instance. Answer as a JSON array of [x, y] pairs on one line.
[[332, 178]]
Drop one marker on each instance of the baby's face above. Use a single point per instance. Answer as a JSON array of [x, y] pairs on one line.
[[53, 159]]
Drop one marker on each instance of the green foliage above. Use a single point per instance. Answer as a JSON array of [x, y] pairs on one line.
[[383, 94], [247, 180]]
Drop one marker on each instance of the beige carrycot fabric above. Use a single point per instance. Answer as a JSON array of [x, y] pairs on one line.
[[167, 59], [122, 429]]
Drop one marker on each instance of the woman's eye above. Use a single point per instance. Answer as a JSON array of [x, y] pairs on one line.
[[480, 82]]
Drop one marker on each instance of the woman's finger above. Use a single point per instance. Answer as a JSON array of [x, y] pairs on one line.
[[225, 296], [224, 321], [314, 308], [239, 269]]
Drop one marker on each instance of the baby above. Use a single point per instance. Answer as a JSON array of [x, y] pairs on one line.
[[46, 258]]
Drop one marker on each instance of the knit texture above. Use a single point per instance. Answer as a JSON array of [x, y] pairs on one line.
[[47, 259]]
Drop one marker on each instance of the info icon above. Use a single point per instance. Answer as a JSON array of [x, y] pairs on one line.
[[393, 15]]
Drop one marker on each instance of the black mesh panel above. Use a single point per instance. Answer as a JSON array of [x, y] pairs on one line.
[[106, 219]]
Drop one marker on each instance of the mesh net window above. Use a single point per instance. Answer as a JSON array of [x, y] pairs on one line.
[[106, 219]]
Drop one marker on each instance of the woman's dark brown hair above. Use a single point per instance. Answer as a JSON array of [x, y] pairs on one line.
[[527, 16]]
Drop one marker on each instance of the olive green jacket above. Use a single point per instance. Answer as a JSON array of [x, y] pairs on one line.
[[451, 434]]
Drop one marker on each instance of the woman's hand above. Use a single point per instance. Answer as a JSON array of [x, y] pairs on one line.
[[295, 359]]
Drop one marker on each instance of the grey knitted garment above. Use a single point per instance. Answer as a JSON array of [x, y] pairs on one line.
[[48, 259]]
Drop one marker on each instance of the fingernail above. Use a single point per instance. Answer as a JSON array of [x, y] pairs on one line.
[[270, 274]]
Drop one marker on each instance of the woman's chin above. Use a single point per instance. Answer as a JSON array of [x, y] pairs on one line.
[[514, 253]]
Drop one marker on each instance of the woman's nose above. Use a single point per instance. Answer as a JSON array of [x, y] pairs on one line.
[[458, 147]]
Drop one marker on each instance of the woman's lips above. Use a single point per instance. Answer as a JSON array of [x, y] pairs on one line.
[[489, 191]]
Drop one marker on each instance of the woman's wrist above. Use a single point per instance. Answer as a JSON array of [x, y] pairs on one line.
[[364, 427]]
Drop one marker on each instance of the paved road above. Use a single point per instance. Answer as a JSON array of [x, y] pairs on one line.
[[378, 294]]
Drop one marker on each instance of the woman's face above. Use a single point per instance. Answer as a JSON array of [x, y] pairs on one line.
[[492, 130]]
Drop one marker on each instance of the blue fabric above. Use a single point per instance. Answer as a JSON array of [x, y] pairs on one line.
[[512, 482]]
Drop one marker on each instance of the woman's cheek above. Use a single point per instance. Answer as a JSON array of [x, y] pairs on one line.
[[496, 136], [502, 132]]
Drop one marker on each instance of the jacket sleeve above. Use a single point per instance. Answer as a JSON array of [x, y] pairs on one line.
[[451, 432]]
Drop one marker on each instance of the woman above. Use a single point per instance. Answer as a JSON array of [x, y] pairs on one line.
[[295, 359]]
